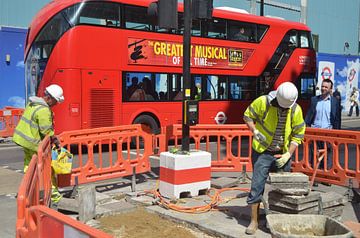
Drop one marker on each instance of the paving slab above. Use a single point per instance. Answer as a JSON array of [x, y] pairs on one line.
[[224, 182], [293, 199], [291, 206], [288, 177], [113, 208], [293, 191], [102, 198], [330, 199], [68, 204], [336, 211]]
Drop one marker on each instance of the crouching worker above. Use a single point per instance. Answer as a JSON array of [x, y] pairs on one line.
[[278, 127], [36, 123]]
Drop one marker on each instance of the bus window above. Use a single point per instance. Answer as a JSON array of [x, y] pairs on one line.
[[95, 13], [243, 31], [161, 86], [222, 88], [136, 18], [307, 87], [305, 40], [242, 88], [216, 87], [176, 82], [290, 40], [215, 28], [141, 87]]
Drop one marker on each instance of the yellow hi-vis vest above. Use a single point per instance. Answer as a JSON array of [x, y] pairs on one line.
[[266, 118], [35, 124]]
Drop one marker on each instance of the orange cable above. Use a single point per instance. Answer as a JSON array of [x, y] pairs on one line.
[[214, 202]]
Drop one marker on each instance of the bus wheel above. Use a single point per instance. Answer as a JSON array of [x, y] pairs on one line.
[[148, 121]]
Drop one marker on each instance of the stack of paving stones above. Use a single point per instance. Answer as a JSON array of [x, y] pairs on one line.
[[291, 194]]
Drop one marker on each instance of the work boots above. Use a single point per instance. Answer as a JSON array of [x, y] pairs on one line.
[[251, 229]]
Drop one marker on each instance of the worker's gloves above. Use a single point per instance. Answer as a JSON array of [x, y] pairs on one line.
[[259, 136], [55, 141], [282, 159]]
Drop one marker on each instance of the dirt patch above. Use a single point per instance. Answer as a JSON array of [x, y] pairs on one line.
[[140, 223]]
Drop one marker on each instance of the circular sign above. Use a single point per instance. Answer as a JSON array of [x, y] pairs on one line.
[[220, 118], [326, 73], [352, 75]]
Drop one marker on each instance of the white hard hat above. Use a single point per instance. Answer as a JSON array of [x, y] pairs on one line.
[[286, 94], [56, 92]]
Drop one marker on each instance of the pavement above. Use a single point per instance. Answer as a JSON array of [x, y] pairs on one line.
[[229, 219]]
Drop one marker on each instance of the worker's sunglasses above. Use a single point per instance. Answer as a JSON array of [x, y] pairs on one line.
[[48, 94]]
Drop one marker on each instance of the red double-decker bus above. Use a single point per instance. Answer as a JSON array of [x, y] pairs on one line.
[[117, 66]]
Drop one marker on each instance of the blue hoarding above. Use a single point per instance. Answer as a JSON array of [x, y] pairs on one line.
[[343, 70], [12, 90]]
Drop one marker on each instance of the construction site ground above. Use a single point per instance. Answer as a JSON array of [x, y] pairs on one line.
[[123, 213]]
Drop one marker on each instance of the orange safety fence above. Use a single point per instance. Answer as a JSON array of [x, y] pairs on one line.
[[50, 223], [341, 159], [106, 153], [9, 118], [231, 144], [34, 218]]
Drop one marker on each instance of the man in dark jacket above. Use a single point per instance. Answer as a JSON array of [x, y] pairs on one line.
[[325, 113]]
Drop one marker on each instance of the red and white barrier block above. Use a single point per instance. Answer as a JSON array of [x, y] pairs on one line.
[[184, 173]]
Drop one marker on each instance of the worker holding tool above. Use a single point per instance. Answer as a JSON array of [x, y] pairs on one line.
[[37, 122], [278, 127]]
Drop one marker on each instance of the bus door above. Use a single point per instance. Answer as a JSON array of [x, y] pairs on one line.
[[100, 98]]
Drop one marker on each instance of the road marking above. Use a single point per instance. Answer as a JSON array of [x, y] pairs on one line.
[[9, 147], [350, 120]]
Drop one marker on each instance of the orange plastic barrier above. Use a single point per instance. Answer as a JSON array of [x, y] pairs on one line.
[[342, 148], [106, 153], [9, 118], [35, 187], [232, 144], [234, 140], [50, 223], [34, 218]]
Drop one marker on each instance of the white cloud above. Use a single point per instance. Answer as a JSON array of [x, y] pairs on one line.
[[343, 72], [20, 64], [17, 101], [19, 47]]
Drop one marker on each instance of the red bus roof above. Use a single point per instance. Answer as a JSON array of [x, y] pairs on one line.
[[55, 6]]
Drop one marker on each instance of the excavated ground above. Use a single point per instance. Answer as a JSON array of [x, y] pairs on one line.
[[139, 224]]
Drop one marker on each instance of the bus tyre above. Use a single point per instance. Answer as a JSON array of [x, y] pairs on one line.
[[148, 121]]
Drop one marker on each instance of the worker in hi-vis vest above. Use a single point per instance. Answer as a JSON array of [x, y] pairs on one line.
[[278, 127], [37, 122]]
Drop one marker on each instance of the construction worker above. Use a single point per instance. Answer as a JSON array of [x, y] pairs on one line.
[[278, 127], [37, 122]]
